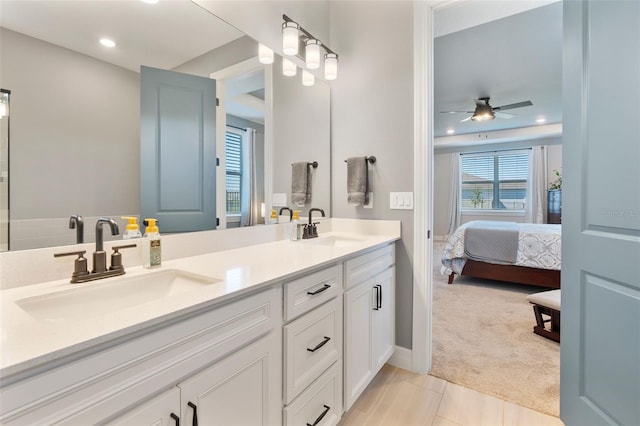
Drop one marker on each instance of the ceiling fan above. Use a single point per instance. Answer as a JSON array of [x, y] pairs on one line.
[[484, 111]]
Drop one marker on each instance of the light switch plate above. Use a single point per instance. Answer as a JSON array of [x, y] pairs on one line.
[[370, 204], [401, 200], [279, 199]]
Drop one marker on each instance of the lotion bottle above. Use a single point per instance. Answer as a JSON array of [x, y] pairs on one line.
[[132, 229], [151, 249]]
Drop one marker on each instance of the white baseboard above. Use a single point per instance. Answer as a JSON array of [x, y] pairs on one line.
[[401, 358]]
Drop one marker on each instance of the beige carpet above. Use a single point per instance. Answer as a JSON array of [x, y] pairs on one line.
[[483, 339]]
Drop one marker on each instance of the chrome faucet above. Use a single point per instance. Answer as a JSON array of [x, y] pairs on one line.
[[76, 222], [80, 271], [310, 229]]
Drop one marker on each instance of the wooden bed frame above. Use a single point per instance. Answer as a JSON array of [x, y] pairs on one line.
[[510, 273]]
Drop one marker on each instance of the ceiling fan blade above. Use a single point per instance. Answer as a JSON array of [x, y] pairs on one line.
[[512, 106], [503, 115], [466, 119], [456, 112]]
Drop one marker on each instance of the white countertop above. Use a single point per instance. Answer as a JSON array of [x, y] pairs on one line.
[[27, 342]]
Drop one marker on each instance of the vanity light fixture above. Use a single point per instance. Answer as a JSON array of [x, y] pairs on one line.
[[107, 42], [307, 78], [293, 36], [265, 55], [330, 66], [312, 53], [4, 102], [288, 68], [290, 38]]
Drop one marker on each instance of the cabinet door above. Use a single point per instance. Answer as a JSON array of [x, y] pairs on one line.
[[161, 410], [384, 319], [243, 389], [358, 372]]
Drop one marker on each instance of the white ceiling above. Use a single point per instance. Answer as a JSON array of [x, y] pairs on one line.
[[512, 59], [162, 35]]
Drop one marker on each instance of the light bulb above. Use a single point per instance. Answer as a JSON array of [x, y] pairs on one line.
[[288, 68], [330, 66], [265, 55], [107, 42], [290, 38], [307, 78], [312, 54]]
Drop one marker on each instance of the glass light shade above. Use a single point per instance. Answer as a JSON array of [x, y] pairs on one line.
[[265, 55], [312, 54], [330, 66], [290, 38], [3, 109], [307, 78], [288, 68]]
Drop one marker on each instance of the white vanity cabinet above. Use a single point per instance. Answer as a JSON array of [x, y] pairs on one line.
[[312, 363], [227, 361], [369, 319]]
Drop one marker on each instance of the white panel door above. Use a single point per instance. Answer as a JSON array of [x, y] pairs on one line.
[[243, 389], [384, 319], [600, 351], [358, 323]]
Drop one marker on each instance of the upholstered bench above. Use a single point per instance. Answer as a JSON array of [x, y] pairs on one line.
[[546, 303]]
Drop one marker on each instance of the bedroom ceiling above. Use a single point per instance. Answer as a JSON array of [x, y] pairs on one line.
[[512, 59]]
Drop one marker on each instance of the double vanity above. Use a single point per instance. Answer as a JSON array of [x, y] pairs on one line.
[[279, 332]]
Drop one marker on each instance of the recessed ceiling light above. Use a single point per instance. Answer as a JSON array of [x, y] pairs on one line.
[[149, 1], [107, 42], [541, 120], [450, 131]]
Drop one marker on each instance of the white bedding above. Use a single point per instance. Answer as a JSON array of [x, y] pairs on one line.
[[538, 247]]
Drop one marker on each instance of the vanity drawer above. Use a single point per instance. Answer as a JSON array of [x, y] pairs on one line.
[[323, 396], [366, 266], [312, 343], [304, 294]]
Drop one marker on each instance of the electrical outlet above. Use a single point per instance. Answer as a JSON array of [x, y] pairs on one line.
[[279, 200]]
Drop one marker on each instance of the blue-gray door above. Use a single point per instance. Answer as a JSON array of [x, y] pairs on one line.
[[600, 350], [177, 150]]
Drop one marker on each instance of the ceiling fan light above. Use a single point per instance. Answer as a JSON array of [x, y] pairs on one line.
[[265, 55], [312, 53], [290, 38]]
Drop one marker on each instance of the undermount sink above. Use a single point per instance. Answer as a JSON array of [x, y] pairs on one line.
[[112, 294], [335, 241]]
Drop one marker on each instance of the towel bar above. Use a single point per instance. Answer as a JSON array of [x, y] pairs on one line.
[[314, 164], [371, 159]]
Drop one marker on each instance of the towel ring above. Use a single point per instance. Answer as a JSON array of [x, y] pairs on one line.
[[371, 159]]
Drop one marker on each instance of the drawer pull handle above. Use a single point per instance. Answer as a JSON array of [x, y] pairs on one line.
[[195, 413], [175, 417], [321, 344], [379, 297], [320, 290], [321, 416]]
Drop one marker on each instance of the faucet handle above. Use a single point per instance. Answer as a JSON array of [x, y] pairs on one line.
[[79, 266], [116, 257]]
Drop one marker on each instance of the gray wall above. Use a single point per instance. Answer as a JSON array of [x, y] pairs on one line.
[[74, 131], [301, 132], [372, 114], [442, 178], [229, 54]]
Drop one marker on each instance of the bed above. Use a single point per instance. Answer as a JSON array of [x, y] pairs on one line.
[[522, 253]]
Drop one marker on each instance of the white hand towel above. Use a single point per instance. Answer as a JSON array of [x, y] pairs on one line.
[[300, 184], [357, 181]]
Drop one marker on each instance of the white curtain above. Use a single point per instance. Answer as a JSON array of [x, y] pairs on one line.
[[454, 199], [249, 205], [535, 211]]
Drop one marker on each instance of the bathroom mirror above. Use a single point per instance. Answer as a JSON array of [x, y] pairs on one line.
[[75, 107]]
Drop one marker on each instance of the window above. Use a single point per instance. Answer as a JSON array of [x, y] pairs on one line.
[[494, 181], [233, 170]]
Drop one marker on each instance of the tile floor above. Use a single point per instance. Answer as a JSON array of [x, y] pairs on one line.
[[399, 397]]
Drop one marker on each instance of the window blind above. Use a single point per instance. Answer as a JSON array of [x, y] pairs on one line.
[[233, 165]]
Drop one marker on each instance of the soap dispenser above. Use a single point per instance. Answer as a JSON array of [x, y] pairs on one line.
[[151, 249], [132, 229]]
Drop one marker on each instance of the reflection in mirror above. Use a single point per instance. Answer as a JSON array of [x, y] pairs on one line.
[[76, 106]]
